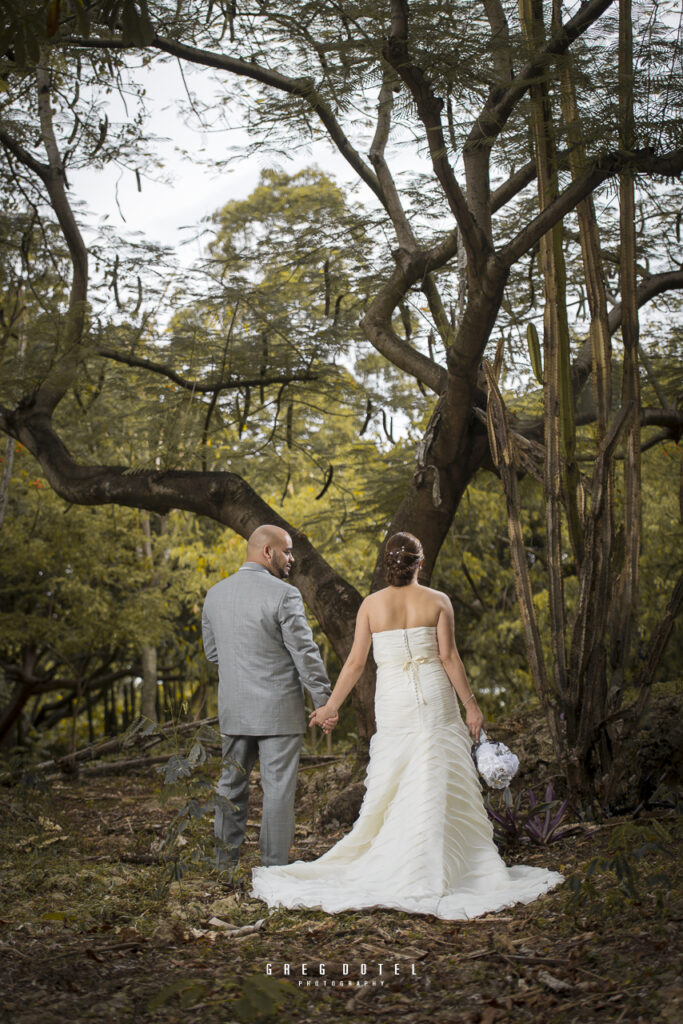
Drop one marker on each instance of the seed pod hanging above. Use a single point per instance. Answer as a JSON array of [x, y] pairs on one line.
[[534, 351]]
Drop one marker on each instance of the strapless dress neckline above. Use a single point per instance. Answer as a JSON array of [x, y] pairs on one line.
[[401, 629]]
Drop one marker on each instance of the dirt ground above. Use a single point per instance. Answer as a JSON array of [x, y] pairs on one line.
[[105, 917]]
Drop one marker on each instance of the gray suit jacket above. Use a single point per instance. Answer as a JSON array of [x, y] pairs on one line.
[[254, 626]]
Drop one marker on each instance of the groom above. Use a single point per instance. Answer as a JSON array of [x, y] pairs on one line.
[[254, 627]]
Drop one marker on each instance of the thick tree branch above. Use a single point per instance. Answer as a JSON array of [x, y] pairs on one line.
[[377, 326], [667, 164], [477, 158], [429, 108], [655, 285], [411, 267], [671, 419], [500, 41], [649, 289], [404, 232], [225, 497], [205, 387]]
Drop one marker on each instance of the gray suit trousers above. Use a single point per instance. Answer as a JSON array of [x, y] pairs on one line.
[[278, 760]]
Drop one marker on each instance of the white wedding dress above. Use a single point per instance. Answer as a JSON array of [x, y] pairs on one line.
[[422, 842]]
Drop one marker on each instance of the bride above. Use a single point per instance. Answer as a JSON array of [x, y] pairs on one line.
[[422, 841]]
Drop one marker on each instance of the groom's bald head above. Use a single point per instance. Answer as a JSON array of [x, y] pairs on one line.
[[264, 535], [271, 546]]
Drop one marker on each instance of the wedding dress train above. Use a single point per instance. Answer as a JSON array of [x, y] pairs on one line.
[[422, 842]]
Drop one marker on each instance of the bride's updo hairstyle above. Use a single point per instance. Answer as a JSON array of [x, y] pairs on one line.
[[401, 558]]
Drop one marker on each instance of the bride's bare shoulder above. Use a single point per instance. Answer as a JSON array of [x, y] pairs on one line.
[[438, 595], [370, 602], [439, 600]]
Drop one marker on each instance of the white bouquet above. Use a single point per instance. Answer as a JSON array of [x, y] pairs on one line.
[[495, 762]]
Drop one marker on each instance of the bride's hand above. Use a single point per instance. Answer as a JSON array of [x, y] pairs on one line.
[[474, 720], [325, 717]]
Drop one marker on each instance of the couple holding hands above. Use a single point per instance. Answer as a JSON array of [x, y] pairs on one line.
[[422, 842]]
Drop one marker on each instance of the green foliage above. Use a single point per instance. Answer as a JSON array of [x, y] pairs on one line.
[[188, 991], [79, 596], [72, 576], [619, 877], [190, 781], [662, 552], [264, 998], [474, 570]]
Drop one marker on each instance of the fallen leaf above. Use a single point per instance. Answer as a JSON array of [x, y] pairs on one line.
[[553, 983], [490, 1014]]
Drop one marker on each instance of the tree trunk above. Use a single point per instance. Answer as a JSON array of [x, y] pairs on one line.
[[148, 703], [148, 652], [10, 445], [21, 692]]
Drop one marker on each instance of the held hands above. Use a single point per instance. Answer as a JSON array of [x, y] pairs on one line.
[[474, 720], [325, 716]]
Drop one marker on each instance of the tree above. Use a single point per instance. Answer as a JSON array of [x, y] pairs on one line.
[[75, 602], [463, 230]]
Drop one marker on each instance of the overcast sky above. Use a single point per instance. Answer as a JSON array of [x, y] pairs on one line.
[[163, 212]]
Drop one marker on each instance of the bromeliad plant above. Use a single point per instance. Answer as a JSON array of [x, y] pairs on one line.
[[525, 818], [508, 824], [543, 823]]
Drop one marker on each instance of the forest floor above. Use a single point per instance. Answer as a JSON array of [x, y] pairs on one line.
[[95, 927]]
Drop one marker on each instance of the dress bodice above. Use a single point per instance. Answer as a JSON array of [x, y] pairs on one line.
[[416, 644], [409, 676]]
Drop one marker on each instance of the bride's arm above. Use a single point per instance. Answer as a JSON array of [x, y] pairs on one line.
[[350, 673], [455, 670]]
